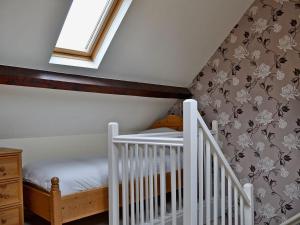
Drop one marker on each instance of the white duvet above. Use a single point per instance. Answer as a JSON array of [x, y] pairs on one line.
[[78, 174], [75, 175]]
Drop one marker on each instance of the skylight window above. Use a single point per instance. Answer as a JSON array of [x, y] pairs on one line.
[[87, 32]]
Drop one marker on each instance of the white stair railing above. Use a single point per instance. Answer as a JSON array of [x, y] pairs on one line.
[[145, 173], [143, 168], [294, 220], [216, 181]]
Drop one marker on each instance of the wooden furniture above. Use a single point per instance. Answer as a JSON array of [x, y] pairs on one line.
[[170, 121], [11, 194], [58, 209]]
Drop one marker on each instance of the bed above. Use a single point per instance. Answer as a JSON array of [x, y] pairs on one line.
[[67, 198]]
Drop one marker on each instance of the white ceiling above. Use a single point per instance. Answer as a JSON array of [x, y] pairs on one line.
[[159, 41]]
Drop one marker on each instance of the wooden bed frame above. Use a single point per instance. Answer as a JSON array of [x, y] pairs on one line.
[[58, 209]]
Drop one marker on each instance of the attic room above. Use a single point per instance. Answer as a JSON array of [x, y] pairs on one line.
[[150, 112]]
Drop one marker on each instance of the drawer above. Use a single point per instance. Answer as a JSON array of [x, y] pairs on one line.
[[10, 193], [12, 216], [9, 167]]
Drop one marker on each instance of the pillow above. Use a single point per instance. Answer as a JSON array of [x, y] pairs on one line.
[[158, 130]]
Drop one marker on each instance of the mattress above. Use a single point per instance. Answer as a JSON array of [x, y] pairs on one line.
[[75, 175]]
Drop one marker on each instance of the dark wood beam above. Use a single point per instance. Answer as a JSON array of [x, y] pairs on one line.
[[52, 80]]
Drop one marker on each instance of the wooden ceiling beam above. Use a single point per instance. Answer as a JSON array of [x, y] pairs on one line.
[[45, 79]]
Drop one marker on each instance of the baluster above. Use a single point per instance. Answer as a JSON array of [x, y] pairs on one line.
[[216, 188], [113, 130], [200, 174], [236, 213], [249, 210], [142, 218], [151, 187], [137, 168], [155, 182], [241, 210], [132, 172], [173, 184], [223, 197], [208, 180], [146, 181], [179, 178], [229, 201], [162, 185], [125, 184]]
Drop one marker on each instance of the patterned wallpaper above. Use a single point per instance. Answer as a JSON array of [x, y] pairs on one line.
[[251, 86]]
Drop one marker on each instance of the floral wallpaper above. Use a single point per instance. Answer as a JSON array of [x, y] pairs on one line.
[[251, 86]]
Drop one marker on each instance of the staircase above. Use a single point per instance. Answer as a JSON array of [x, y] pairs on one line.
[[146, 169]]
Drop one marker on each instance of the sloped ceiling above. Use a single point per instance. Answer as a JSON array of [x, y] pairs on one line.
[[159, 41]]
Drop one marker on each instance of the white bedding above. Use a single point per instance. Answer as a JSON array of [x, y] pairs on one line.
[[75, 175]]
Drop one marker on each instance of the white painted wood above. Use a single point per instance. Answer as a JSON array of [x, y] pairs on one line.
[[236, 211], [223, 160], [132, 172], [214, 127], [141, 170], [199, 149], [190, 162], [294, 220], [173, 184], [155, 182], [249, 210], [124, 154], [151, 186], [146, 171], [223, 197], [137, 190], [179, 168], [113, 130], [241, 211], [207, 181], [229, 201], [200, 176], [216, 187], [162, 184]]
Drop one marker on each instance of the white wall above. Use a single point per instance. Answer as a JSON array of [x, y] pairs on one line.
[[58, 147], [52, 124]]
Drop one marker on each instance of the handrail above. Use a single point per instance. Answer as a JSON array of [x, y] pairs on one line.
[[153, 140], [294, 220], [221, 156]]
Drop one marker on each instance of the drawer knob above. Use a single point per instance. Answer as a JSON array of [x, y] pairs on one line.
[[3, 221], [4, 196], [2, 171]]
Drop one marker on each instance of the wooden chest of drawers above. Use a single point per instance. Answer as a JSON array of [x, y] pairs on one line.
[[11, 193]]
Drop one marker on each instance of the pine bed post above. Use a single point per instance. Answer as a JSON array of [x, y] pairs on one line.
[[113, 130], [55, 202], [249, 210], [190, 126]]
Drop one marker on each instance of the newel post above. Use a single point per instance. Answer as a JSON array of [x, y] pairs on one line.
[[190, 129], [113, 171], [249, 210]]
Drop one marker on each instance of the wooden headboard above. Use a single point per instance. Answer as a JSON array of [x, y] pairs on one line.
[[170, 121]]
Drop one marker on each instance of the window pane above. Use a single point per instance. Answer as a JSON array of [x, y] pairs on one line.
[[81, 24]]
